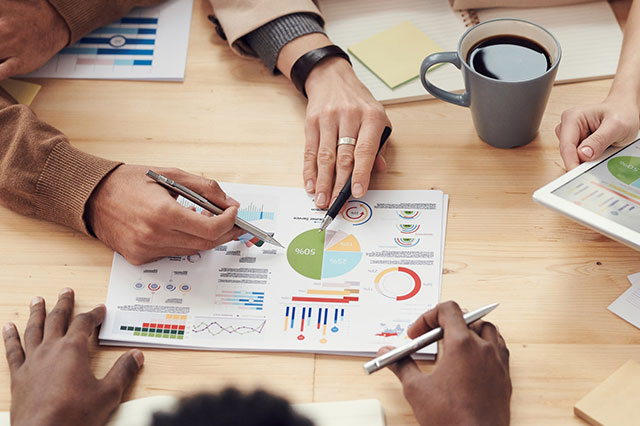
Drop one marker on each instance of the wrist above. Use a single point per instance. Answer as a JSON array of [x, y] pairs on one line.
[[328, 70]]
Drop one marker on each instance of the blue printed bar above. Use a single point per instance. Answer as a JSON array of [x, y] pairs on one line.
[[96, 51], [118, 30], [107, 40], [143, 62], [127, 20]]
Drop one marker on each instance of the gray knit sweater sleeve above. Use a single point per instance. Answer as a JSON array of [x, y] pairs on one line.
[[267, 40]]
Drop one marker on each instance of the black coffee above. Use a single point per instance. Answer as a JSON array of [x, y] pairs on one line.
[[509, 58]]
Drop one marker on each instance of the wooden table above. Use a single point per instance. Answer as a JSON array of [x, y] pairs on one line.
[[553, 277]]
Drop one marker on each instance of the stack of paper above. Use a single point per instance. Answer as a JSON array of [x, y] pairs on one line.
[[147, 44], [627, 306], [349, 290]]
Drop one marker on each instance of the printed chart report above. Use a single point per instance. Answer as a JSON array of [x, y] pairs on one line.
[[146, 44], [351, 289], [611, 189]]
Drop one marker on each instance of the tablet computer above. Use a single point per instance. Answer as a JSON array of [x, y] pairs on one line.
[[603, 194]]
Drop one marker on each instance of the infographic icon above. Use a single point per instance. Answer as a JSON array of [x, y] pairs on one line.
[[357, 212], [398, 283], [325, 254]]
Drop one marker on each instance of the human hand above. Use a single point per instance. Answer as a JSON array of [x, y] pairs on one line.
[[470, 385], [586, 131], [141, 220], [340, 105], [31, 32], [51, 378]]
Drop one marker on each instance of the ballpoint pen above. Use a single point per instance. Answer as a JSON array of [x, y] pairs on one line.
[[420, 342], [345, 192], [209, 206]]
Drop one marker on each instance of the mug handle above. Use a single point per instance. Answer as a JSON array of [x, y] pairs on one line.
[[438, 58]]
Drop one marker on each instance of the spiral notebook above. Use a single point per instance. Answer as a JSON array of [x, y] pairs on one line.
[[588, 33]]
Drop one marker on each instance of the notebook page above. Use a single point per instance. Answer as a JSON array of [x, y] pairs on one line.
[[349, 22], [588, 33]]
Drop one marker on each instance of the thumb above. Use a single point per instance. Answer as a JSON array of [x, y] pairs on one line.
[[404, 369], [124, 371], [9, 68], [594, 145]]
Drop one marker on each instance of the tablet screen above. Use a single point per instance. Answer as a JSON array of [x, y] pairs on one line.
[[610, 189]]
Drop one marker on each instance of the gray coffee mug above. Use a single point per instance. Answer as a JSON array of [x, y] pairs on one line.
[[506, 114]]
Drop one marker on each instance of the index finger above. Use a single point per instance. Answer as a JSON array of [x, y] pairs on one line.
[[365, 156], [57, 321], [569, 136], [206, 187], [447, 315], [199, 225], [85, 323]]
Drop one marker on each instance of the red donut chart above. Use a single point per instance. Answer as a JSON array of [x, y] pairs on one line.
[[379, 282]]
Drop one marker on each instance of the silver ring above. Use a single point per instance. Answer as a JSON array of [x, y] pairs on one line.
[[346, 140]]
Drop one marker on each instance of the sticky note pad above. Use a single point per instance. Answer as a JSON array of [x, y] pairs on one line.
[[615, 401], [22, 91], [395, 55]]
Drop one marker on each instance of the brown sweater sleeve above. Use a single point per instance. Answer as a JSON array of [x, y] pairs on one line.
[[84, 16], [41, 174]]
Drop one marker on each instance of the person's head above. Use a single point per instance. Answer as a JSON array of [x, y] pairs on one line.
[[232, 408]]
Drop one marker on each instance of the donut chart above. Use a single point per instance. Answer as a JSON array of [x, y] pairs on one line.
[[398, 283], [326, 254]]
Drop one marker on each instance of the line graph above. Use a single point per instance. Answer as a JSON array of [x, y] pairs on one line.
[[212, 327]]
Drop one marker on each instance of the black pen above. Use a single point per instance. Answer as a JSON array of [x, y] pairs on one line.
[[345, 193]]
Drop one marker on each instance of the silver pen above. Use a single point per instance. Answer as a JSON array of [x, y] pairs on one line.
[[209, 206], [418, 343]]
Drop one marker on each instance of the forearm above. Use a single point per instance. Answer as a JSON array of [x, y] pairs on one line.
[[626, 85], [83, 16], [41, 174]]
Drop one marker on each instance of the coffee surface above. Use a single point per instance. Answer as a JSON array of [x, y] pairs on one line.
[[509, 58]]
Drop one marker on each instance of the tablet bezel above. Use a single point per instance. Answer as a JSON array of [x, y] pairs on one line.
[[616, 231]]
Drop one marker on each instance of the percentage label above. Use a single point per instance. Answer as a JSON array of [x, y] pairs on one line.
[[306, 251]]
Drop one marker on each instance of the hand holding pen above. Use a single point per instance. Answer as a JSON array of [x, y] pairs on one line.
[[470, 384], [139, 219]]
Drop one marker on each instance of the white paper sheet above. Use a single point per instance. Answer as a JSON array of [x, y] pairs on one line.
[[627, 306], [358, 287], [147, 44]]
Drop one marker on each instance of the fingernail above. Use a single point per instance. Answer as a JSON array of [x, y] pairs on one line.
[[321, 199], [64, 291], [139, 357], [358, 190], [36, 300], [309, 186], [587, 151], [8, 327]]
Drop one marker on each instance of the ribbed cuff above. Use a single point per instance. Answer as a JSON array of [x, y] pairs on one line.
[[68, 179], [269, 39]]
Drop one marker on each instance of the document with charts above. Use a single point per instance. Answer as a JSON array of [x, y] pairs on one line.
[[146, 44], [349, 290]]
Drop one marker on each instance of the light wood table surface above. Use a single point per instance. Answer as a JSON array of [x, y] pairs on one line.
[[233, 121]]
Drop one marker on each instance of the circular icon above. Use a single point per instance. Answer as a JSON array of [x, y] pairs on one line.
[[334, 329], [138, 286], [185, 288], [408, 214], [118, 41], [398, 283], [301, 337], [323, 340], [194, 258], [170, 287], [357, 212], [154, 286]]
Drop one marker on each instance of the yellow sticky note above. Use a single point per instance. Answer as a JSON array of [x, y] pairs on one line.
[[22, 91], [395, 55]]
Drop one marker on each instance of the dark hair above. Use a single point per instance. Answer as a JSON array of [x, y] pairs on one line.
[[232, 408]]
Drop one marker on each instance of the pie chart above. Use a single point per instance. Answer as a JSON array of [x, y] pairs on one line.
[[325, 254], [398, 283], [626, 169]]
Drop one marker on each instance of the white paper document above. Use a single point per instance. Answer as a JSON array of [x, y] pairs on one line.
[[627, 306], [146, 44], [349, 290]]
